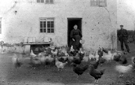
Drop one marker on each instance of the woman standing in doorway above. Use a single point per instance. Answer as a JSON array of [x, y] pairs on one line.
[[76, 37]]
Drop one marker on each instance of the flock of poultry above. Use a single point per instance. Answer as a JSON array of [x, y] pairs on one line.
[[81, 60]]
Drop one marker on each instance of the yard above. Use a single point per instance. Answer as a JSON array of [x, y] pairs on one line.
[[50, 76]]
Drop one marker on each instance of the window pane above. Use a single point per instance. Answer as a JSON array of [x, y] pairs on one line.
[[47, 1], [52, 24], [102, 3], [48, 30], [42, 1], [48, 24], [44, 23], [52, 30], [40, 24], [45, 30], [41, 30], [38, 1], [51, 1]]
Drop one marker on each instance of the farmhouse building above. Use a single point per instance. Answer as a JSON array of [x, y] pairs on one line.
[[39, 20]]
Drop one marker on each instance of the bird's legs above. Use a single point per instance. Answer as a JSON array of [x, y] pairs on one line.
[[121, 75], [95, 82], [77, 77]]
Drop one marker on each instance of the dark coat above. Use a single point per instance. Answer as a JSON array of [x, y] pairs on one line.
[[122, 34]]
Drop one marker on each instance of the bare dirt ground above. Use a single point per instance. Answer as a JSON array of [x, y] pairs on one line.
[[49, 75]]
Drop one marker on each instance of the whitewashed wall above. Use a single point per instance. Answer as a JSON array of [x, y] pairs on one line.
[[98, 23]]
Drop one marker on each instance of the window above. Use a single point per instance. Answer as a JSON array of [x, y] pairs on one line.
[[47, 25], [45, 1], [40, 1], [0, 25], [99, 3], [49, 1]]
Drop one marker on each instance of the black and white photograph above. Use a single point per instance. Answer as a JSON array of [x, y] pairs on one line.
[[67, 42]]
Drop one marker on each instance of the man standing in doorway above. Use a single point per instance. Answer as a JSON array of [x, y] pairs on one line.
[[123, 37]]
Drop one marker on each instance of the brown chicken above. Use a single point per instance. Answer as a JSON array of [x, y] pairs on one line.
[[97, 74]]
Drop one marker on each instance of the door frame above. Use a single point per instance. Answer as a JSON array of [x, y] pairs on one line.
[[80, 26]]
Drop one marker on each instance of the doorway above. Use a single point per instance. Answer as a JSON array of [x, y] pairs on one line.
[[71, 23]]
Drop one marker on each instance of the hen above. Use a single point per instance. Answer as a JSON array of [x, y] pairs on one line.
[[78, 58], [108, 56], [15, 61], [32, 55], [123, 69], [120, 58], [79, 70], [133, 62], [49, 60], [59, 65], [97, 74]]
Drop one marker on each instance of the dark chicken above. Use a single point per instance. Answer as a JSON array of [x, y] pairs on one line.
[[97, 74], [78, 58], [100, 60], [79, 70], [121, 59]]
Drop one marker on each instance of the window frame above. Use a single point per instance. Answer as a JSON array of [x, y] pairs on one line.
[[0, 25], [49, 2], [45, 1], [98, 3], [46, 20]]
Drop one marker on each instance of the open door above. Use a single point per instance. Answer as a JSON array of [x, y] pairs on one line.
[[71, 23]]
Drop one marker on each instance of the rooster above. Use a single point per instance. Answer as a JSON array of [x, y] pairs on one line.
[[79, 70], [15, 61], [97, 74], [54, 52], [59, 65], [120, 58], [122, 69]]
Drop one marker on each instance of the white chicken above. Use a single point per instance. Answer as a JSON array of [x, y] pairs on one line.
[[85, 59], [91, 56], [42, 59], [123, 69], [15, 61], [94, 56], [54, 52], [32, 54], [72, 49], [59, 65], [108, 56], [49, 58], [133, 60]]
